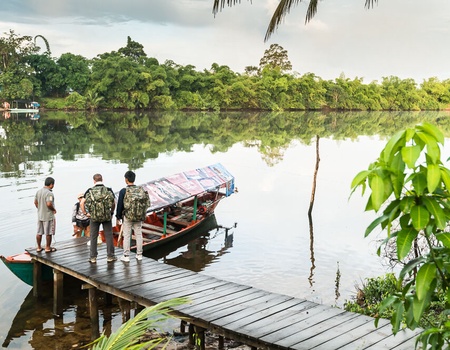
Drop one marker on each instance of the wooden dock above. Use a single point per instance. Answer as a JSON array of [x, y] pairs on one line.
[[249, 315]]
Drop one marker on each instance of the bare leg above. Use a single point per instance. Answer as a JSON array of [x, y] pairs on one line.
[[48, 239], [38, 241], [87, 231]]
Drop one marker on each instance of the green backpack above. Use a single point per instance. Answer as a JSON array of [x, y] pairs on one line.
[[135, 203], [99, 203]]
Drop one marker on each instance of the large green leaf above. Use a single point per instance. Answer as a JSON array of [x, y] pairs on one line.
[[360, 178], [410, 266], [419, 306], [433, 177], [378, 191], [393, 144], [419, 181], [445, 174], [424, 279], [410, 154], [433, 131], [433, 150], [375, 223], [419, 216], [444, 238], [405, 239], [397, 317], [397, 165], [435, 209]]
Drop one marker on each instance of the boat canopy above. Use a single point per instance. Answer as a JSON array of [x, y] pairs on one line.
[[170, 190]]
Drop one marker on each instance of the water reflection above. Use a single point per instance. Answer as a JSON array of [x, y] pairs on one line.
[[35, 323], [191, 252], [134, 137]]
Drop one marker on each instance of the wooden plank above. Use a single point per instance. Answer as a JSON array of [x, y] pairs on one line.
[[156, 228], [248, 309], [253, 321], [363, 332], [150, 232], [313, 330], [375, 337], [280, 320], [227, 303], [177, 289], [274, 333], [401, 341], [333, 331], [227, 292]]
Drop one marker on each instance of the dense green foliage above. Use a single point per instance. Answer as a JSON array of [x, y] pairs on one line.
[[369, 298], [128, 79], [410, 185]]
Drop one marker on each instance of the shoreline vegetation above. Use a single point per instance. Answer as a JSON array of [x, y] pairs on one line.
[[127, 79]]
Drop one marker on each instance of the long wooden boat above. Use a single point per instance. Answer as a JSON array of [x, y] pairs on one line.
[[22, 266], [179, 204]]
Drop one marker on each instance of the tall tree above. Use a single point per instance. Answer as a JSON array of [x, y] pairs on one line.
[[13, 48], [133, 50], [15, 73], [276, 57]]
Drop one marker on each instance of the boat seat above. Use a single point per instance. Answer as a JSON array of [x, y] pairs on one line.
[[179, 220], [152, 228], [143, 238], [151, 232]]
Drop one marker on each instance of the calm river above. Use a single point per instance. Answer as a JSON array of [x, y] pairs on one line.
[[270, 243]]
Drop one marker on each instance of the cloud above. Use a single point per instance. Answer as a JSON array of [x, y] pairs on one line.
[[396, 37]]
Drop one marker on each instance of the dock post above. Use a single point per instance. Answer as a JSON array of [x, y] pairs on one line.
[[58, 277], [93, 310], [200, 338], [37, 281], [221, 342], [182, 327], [191, 335], [125, 308], [108, 299]]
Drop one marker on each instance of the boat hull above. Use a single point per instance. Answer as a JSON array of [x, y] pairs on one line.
[[22, 266]]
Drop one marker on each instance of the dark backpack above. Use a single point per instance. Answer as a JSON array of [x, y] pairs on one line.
[[135, 203], [99, 203]]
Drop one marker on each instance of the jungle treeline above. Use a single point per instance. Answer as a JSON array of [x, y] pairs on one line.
[[129, 79]]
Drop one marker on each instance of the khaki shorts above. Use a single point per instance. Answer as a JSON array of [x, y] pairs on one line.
[[46, 227]]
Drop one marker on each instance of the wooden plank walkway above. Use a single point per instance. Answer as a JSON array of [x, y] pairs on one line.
[[249, 315]]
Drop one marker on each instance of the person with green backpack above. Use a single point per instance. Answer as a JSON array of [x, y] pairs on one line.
[[99, 204], [132, 207]]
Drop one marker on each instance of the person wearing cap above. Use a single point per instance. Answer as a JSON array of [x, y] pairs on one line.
[[80, 222]]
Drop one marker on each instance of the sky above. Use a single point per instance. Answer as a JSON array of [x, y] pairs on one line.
[[406, 39]]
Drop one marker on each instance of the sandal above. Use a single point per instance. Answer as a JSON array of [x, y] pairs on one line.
[[52, 249], [39, 250]]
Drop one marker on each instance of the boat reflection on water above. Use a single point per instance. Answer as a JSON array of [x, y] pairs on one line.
[[191, 253], [34, 115]]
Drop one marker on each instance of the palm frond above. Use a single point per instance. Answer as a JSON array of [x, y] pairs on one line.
[[370, 3], [283, 8], [129, 334], [220, 4], [312, 10]]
